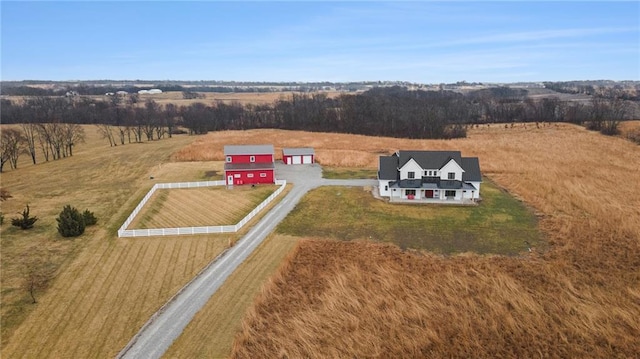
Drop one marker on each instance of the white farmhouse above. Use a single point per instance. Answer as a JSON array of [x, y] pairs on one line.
[[429, 176]]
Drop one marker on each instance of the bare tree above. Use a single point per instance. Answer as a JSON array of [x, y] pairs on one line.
[[37, 272], [72, 134], [30, 132], [11, 146], [106, 130]]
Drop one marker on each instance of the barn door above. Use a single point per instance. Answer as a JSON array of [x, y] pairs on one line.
[[230, 180]]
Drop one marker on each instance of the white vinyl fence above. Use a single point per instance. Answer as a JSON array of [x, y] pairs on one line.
[[124, 232]]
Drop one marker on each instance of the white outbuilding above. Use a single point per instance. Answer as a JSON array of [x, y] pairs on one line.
[[298, 156]]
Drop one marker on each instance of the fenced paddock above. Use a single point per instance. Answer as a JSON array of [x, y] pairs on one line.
[[124, 232]]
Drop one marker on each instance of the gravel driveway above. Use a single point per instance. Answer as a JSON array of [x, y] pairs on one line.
[[157, 335]]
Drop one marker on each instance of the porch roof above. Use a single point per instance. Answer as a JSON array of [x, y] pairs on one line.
[[248, 166], [442, 184]]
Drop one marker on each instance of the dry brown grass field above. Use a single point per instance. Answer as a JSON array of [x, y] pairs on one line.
[[210, 334], [245, 98], [579, 298], [105, 287], [205, 206], [630, 129]]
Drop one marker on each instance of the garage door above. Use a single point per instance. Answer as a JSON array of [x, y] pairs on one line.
[[307, 159], [296, 160]]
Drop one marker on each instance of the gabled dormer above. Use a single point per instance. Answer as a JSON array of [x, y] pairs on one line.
[[411, 170], [451, 171]]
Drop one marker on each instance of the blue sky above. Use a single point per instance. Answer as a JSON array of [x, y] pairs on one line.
[[417, 41]]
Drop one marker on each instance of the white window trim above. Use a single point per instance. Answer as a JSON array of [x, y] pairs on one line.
[[252, 159], [249, 175], [263, 175], [229, 159]]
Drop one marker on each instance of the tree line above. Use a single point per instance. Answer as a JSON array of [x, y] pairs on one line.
[[51, 124]]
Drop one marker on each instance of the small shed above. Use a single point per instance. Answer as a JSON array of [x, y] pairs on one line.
[[298, 156]]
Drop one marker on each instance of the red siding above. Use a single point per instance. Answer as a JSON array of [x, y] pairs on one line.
[[242, 177], [247, 158]]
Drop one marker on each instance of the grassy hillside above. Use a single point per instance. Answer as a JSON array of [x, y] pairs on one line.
[[104, 288]]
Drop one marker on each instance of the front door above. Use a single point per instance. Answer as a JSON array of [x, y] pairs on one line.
[[429, 193], [230, 180]]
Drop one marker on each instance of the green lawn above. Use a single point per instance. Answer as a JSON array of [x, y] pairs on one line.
[[348, 173], [500, 224]]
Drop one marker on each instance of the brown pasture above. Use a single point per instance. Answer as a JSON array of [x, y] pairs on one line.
[[105, 287], [226, 308], [205, 206], [578, 298]]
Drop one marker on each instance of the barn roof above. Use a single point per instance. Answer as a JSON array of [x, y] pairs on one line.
[[298, 151], [248, 150]]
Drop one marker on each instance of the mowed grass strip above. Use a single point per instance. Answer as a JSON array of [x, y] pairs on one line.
[[111, 296], [205, 206], [210, 334], [349, 173], [500, 224]]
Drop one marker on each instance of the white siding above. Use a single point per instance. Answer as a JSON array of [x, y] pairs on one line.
[[411, 166], [451, 166], [307, 159], [383, 188], [476, 193]]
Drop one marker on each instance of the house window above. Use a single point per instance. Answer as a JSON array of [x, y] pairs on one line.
[[386, 188], [410, 192], [411, 174], [252, 159], [263, 175], [452, 175], [249, 175], [449, 194], [229, 159]]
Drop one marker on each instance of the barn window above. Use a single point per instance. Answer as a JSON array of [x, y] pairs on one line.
[[229, 159], [263, 175], [237, 175], [411, 174], [452, 175], [249, 175], [252, 159]]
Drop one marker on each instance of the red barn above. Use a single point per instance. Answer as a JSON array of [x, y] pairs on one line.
[[249, 164], [298, 156]]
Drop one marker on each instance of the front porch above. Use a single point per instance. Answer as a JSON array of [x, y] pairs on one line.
[[451, 201], [434, 196]]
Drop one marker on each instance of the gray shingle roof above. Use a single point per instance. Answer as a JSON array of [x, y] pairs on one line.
[[471, 167], [429, 159], [248, 166], [248, 150], [298, 151], [388, 168]]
